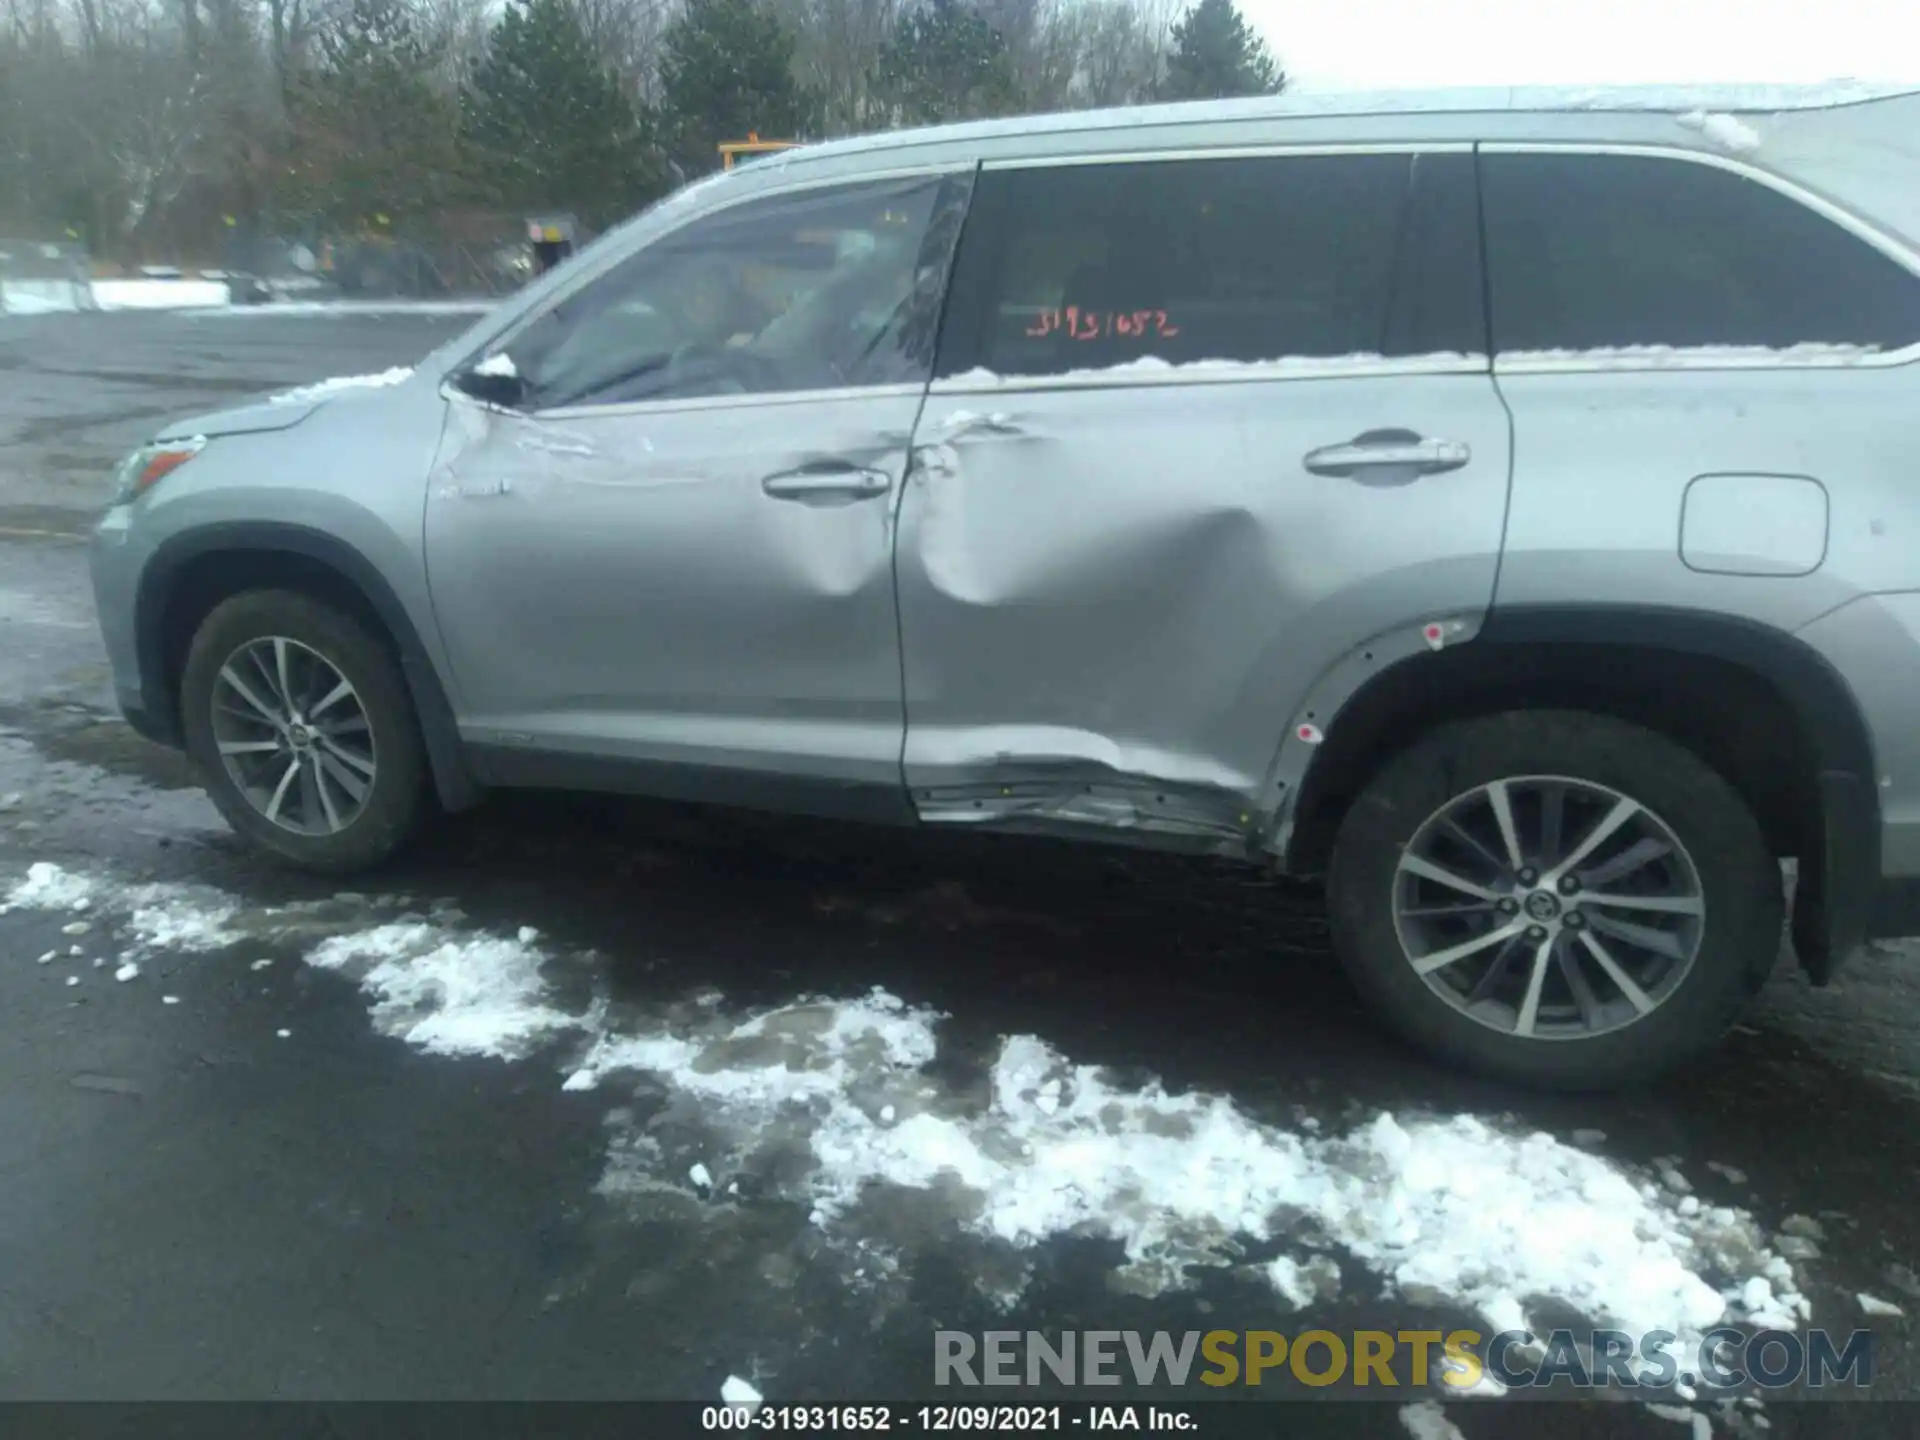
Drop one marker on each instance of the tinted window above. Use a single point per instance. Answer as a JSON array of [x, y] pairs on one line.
[[1087, 266], [817, 290], [1600, 251]]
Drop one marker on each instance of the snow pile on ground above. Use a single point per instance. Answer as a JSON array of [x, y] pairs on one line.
[[1427, 1420], [735, 1391], [448, 993], [1449, 1206], [321, 389], [158, 917], [41, 297], [152, 294], [839, 1104], [209, 295], [808, 1051], [48, 887]]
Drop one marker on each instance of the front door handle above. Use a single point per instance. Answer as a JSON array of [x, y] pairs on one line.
[[827, 482], [1388, 457]]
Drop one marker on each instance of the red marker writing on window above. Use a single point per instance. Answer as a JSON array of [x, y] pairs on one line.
[[1095, 324]]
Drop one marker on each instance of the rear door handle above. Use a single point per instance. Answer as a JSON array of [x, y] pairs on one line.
[[1388, 457], [819, 483]]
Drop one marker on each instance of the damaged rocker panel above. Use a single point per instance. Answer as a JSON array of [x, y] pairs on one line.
[[1121, 810]]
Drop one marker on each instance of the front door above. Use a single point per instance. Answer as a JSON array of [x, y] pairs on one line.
[[676, 549], [1203, 427]]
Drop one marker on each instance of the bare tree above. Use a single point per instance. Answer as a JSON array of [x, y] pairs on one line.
[[627, 35], [456, 31], [837, 56], [162, 126]]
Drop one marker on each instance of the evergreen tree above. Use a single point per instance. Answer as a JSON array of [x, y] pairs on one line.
[[548, 126], [1216, 55], [726, 71], [945, 62], [374, 144]]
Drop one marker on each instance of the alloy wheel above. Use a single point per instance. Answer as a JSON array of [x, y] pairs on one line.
[[293, 736], [1549, 908]]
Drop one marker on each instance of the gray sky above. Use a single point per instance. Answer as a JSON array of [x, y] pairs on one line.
[[1383, 44]]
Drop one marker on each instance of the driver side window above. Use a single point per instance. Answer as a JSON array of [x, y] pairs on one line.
[[822, 289]]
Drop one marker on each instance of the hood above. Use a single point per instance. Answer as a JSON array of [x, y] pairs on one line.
[[284, 409]]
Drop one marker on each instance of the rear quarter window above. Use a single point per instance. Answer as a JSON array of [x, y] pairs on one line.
[[1608, 252]]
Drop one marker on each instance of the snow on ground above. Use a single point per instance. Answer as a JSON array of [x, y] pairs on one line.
[[735, 1391], [478, 305], [152, 294], [206, 296], [450, 994], [19, 297], [838, 1104], [320, 389], [1426, 1420]]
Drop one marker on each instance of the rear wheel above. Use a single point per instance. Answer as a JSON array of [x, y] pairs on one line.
[[304, 731], [1554, 898]]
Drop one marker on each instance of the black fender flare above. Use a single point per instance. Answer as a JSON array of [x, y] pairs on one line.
[[1820, 698], [1838, 887], [453, 777], [1837, 891]]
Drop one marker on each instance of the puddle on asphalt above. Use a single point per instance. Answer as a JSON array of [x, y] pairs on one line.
[[84, 735], [60, 805]]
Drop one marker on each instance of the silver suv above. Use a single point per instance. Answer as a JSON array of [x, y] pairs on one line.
[[1505, 507]]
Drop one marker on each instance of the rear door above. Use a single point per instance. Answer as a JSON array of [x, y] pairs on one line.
[[1200, 428]]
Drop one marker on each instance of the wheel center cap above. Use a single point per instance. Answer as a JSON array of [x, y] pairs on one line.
[[1543, 905], [300, 735]]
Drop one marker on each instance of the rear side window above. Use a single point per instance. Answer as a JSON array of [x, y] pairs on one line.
[[1592, 252], [1084, 267]]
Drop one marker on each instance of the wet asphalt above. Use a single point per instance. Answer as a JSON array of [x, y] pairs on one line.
[[195, 1207]]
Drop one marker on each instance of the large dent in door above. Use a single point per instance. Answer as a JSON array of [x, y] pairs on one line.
[[1039, 567], [970, 555], [1111, 625]]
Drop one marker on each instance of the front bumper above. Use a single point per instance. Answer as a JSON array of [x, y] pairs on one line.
[[116, 562]]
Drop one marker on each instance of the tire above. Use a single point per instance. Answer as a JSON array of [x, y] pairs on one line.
[[1723, 899], [321, 644]]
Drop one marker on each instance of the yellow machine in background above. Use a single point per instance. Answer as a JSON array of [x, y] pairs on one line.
[[730, 150], [553, 238]]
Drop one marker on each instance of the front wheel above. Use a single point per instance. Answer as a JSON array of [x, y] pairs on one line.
[[304, 731], [1554, 898]]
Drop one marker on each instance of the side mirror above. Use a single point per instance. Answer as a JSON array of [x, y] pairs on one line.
[[493, 385]]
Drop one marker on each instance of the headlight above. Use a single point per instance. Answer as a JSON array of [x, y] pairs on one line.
[[141, 470]]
